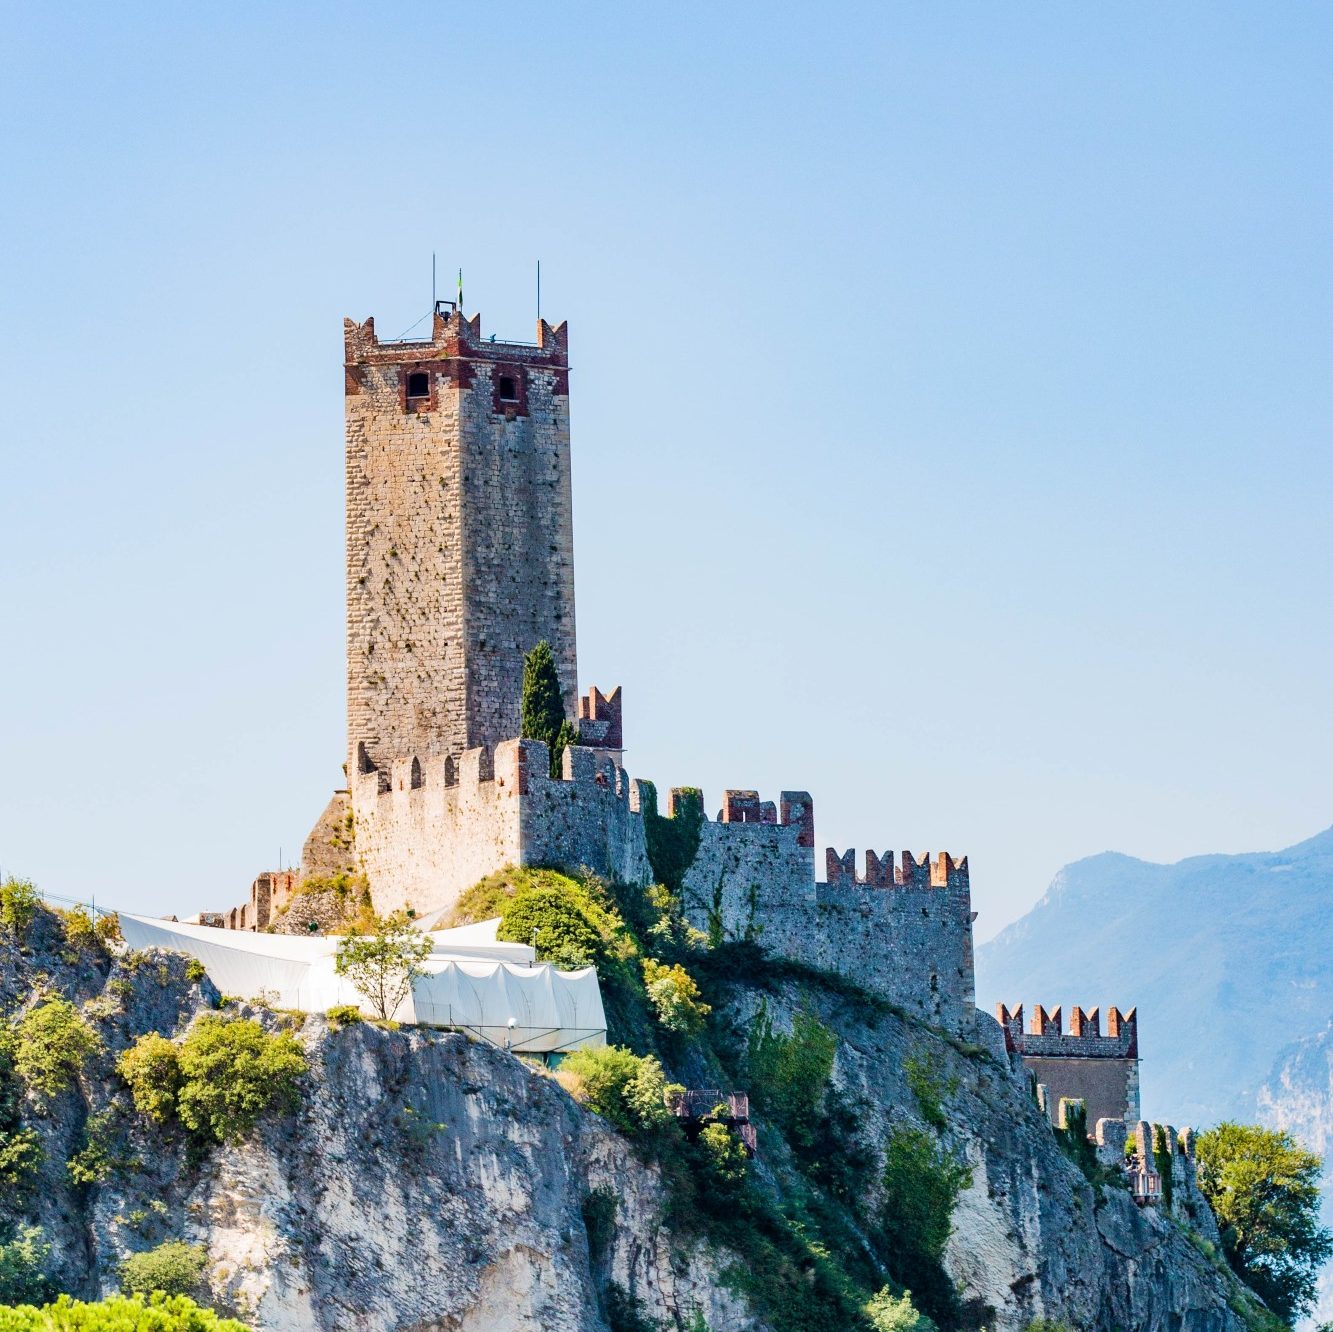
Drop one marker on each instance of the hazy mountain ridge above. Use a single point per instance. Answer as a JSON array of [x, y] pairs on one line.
[[1225, 957]]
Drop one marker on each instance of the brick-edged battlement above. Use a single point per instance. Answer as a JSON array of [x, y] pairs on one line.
[[880, 872], [793, 809], [601, 720], [454, 337], [1047, 1038]]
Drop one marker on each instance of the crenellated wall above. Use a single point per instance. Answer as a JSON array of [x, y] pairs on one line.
[[429, 829], [902, 933]]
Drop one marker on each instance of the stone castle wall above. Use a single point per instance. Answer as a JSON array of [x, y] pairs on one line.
[[904, 934], [438, 826], [459, 535]]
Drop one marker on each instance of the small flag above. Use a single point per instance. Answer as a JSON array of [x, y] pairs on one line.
[[460, 291]]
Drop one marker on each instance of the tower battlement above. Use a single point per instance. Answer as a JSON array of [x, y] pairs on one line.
[[1046, 1036], [1081, 1063], [914, 871], [601, 720]]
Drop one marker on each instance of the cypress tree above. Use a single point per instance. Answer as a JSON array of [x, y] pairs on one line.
[[541, 709]]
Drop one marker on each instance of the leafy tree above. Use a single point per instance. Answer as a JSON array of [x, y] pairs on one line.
[[382, 965], [53, 1042], [23, 1267], [1264, 1190], [627, 1090], [888, 1312], [175, 1268], [553, 923], [675, 997], [135, 1313], [542, 707], [19, 904]]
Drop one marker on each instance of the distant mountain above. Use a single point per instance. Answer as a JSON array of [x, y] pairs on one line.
[[1228, 960]]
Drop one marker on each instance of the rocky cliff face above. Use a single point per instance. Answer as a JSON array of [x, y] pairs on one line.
[[430, 1182]]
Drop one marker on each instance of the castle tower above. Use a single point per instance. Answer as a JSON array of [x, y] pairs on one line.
[[460, 549]]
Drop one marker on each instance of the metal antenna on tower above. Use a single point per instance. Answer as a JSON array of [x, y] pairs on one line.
[[539, 291], [432, 281]]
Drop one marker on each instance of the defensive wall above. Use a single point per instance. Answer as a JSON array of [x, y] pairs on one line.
[[427, 830], [1081, 1063], [902, 931]]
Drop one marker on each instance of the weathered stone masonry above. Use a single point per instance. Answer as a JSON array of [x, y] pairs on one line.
[[460, 546]]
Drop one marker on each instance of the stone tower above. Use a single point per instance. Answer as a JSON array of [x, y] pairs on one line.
[[460, 548]]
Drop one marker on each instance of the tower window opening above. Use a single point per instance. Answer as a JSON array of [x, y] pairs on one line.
[[418, 384], [508, 389]]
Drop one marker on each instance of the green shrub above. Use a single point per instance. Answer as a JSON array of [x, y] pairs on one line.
[[599, 1220], [23, 1278], [675, 997], [20, 1155], [789, 1075], [19, 904], [927, 1090], [723, 1154], [888, 1312], [53, 1041], [921, 1185], [627, 1090], [623, 1313], [218, 1080], [1073, 1139], [92, 1163], [195, 970], [120, 1313], [20, 1148], [175, 1268], [344, 1015], [232, 1071], [151, 1068], [80, 928]]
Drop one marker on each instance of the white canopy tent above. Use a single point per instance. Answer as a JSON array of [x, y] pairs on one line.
[[470, 980]]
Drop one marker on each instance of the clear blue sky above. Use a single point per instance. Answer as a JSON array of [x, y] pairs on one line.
[[951, 407]]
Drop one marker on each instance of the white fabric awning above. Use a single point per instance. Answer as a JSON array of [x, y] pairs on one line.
[[470, 980]]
